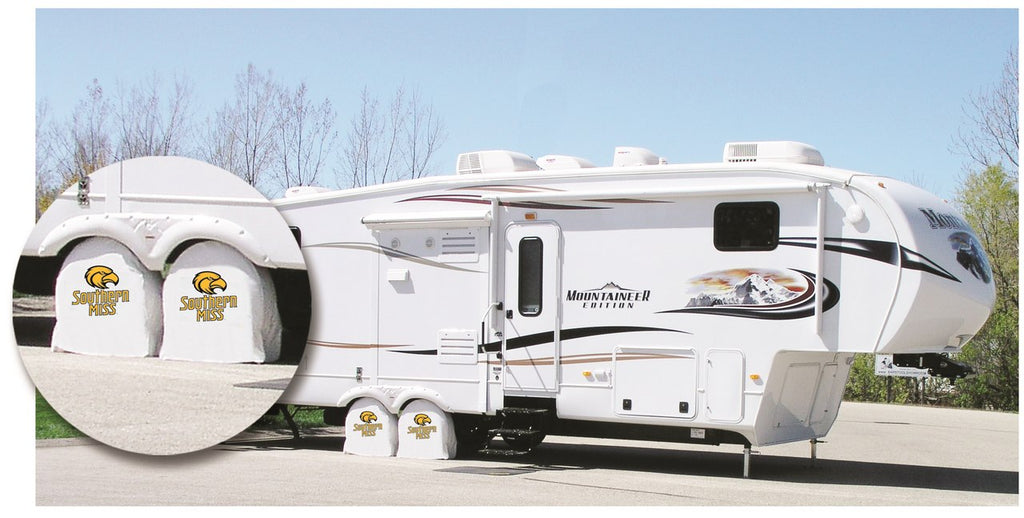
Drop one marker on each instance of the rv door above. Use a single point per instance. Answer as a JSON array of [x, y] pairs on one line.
[[530, 347]]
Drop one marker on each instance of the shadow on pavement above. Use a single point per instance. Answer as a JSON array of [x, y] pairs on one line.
[[551, 456]]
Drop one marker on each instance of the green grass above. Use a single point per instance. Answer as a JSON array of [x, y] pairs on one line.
[[305, 418], [49, 424]]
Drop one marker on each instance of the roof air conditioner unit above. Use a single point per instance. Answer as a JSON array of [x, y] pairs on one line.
[[496, 161], [772, 151], [634, 156], [555, 162]]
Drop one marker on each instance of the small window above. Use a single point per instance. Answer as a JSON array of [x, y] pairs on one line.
[[748, 226], [531, 275]]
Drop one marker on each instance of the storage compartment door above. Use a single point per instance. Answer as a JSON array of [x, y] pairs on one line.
[[655, 382], [724, 372]]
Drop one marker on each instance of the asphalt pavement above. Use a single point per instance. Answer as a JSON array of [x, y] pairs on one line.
[[875, 455]]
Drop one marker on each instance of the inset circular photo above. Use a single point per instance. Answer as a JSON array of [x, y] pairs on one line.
[[161, 305]]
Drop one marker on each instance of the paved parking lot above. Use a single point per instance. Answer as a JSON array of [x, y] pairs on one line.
[[876, 455]]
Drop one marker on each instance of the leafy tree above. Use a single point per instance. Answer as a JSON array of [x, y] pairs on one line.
[[990, 203]]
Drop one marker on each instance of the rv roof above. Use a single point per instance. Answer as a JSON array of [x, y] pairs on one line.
[[811, 172]]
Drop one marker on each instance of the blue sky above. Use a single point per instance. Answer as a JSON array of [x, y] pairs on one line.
[[879, 91]]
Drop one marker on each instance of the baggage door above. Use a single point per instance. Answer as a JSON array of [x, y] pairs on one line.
[[530, 347]]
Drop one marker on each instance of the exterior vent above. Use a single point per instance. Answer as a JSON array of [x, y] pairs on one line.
[[497, 161], [556, 162], [457, 346], [458, 246], [469, 163], [634, 156], [772, 151]]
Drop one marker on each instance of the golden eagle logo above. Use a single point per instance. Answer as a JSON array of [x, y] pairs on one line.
[[421, 419], [367, 417], [206, 282], [100, 276]]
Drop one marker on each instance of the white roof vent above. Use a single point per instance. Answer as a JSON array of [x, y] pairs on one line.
[[634, 156], [554, 162], [497, 161], [303, 190], [772, 151]]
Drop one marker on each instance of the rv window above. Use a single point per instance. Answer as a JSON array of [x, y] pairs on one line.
[[531, 270], [749, 226]]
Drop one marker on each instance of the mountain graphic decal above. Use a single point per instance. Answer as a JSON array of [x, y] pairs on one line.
[[757, 293], [754, 290]]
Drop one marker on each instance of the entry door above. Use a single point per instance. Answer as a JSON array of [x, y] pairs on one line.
[[530, 349]]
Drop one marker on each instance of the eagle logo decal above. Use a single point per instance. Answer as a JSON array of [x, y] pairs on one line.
[[207, 282], [100, 276], [367, 417], [421, 419]]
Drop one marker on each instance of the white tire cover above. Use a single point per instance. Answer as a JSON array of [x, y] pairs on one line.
[[219, 307], [370, 429], [106, 303], [425, 432]]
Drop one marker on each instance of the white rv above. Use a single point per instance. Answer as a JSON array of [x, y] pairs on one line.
[[711, 303]]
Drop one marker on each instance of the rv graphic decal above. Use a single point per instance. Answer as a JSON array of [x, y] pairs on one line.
[[392, 253], [882, 251], [944, 220], [102, 301], [421, 430], [370, 426], [757, 293], [480, 200], [609, 296], [583, 358], [549, 337], [347, 345], [451, 196], [970, 255]]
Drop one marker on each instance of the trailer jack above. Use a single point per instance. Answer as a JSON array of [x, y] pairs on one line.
[[937, 365]]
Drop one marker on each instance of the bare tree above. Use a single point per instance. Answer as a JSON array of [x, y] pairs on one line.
[[149, 125], [46, 174], [383, 147], [359, 153], [991, 136], [246, 130], [306, 137], [82, 144], [424, 134]]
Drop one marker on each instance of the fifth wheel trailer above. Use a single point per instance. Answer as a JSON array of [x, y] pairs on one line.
[[710, 303]]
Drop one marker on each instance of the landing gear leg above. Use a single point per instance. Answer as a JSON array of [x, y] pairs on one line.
[[746, 461], [814, 450]]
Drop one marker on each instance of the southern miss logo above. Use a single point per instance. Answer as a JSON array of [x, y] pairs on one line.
[[102, 301], [370, 426], [422, 430], [210, 307]]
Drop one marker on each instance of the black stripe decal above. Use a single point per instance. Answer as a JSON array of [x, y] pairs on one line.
[[549, 337], [882, 251]]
